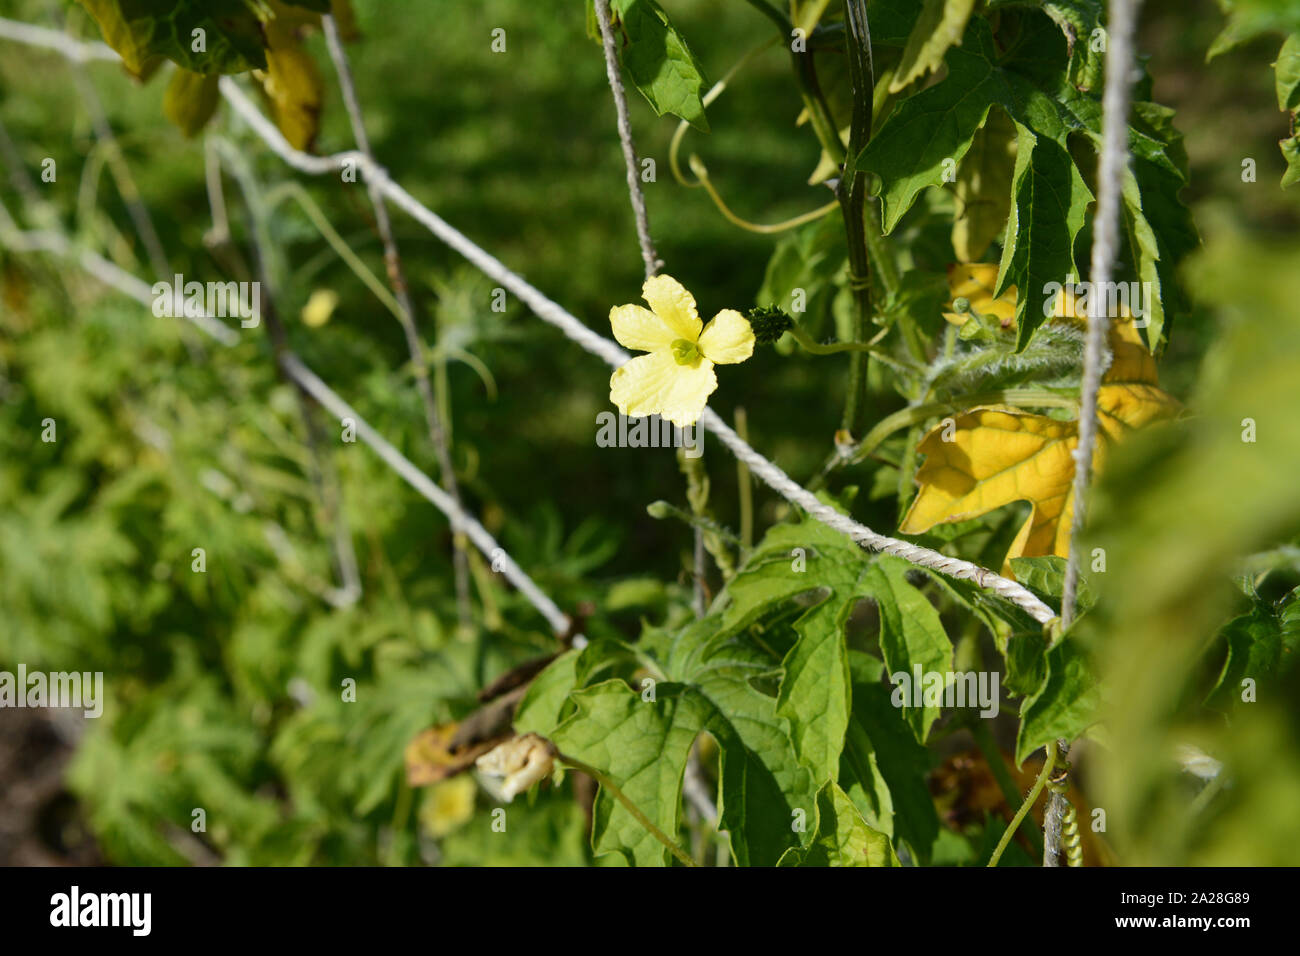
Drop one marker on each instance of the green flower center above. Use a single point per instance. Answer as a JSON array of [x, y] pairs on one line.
[[685, 352]]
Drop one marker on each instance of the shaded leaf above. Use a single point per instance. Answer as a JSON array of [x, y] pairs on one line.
[[983, 188], [190, 100], [144, 32], [1065, 706], [660, 63]]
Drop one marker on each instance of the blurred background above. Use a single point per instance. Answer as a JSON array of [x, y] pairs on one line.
[[222, 687]]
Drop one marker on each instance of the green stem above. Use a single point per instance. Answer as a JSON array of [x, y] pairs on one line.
[[1048, 762], [834, 348], [851, 192], [745, 486], [997, 765], [916, 414], [666, 509], [295, 191], [628, 805], [886, 270]]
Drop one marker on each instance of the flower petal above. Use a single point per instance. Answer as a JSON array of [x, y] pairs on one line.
[[728, 339], [674, 305], [655, 384], [637, 327]]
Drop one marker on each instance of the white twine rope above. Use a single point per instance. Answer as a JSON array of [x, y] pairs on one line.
[[1120, 57], [551, 312], [652, 261], [1111, 169]]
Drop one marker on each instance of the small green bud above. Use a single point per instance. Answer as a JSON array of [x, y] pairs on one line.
[[769, 324], [659, 509], [961, 304]]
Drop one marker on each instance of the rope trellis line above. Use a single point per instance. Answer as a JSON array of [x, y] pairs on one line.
[[573, 328], [1112, 166]]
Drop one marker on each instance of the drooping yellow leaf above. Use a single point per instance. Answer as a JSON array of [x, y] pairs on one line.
[[294, 87], [998, 455], [995, 455], [190, 100], [291, 81], [983, 187]]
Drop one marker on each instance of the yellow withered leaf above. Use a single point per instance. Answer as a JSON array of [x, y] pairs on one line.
[[998, 454], [294, 87], [291, 81], [190, 100]]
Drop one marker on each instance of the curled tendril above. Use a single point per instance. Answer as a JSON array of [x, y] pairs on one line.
[[701, 171]]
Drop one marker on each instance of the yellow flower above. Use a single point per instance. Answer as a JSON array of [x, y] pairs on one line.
[[676, 378]]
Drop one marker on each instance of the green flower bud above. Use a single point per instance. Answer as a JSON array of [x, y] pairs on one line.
[[769, 324]]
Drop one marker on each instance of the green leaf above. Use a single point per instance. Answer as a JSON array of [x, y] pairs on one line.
[[911, 636], [643, 746], [843, 838], [1079, 19], [713, 687], [814, 694], [1287, 69], [938, 125], [883, 769], [1026, 656], [660, 63], [1247, 19], [935, 125], [1254, 650], [190, 100], [1159, 226], [1288, 99], [542, 706], [1065, 706], [940, 26], [780, 717], [144, 32], [1291, 153], [1050, 198], [1045, 576], [1049, 195]]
